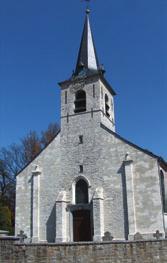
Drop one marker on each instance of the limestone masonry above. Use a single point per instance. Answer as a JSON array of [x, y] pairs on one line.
[[89, 183]]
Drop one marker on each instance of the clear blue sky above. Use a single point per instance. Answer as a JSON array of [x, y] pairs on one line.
[[39, 42]]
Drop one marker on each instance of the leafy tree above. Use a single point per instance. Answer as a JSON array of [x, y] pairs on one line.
[[12, 160], [6, 218], [7, 197], [49, 134], [4, 181], [31, 146]]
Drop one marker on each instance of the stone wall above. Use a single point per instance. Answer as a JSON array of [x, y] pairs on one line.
[[7, 249], [116, 252], [27, 205]]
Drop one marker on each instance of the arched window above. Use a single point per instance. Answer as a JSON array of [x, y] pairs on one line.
[[162, 189], [107, 108], [81, 192], [80, 101]]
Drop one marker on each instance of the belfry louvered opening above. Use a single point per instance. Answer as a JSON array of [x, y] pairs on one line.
[[80, 101], [107, 107]]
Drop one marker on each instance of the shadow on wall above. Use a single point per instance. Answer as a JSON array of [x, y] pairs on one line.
[[51, 226]]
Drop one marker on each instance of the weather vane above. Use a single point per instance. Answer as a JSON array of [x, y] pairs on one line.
[[87, 1]]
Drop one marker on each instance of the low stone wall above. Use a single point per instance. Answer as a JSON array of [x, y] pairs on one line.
[[115, 252], [7, 249]]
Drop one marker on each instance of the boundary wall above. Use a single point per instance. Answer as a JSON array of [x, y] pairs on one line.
[[152, 251]]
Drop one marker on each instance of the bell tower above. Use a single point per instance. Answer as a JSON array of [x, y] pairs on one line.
[[87, 100], [87, 92]]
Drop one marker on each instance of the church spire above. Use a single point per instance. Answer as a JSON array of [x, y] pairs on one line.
[[87, 62]]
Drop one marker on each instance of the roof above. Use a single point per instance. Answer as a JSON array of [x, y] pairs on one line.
[[96, 74], [87, 61], [161, 161]]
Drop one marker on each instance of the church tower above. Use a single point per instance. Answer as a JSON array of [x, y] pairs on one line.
[[87, 93], [87, 100]]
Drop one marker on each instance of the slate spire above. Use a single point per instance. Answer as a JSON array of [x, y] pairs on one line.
[[87, 62]]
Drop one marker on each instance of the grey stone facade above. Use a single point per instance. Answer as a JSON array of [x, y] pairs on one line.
[[124, 188]]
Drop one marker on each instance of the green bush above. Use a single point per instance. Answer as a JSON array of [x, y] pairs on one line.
[[6, 219]]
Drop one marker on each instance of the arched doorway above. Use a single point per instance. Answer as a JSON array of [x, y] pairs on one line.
[[82, 213]]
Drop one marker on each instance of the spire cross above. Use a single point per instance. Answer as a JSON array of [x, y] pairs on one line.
[[157, 235], [22, 236]]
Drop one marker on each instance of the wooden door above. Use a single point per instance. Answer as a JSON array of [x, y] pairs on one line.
[[82, 226]]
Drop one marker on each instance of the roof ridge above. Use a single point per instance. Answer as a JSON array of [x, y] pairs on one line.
[[133, 144], [38, 153]]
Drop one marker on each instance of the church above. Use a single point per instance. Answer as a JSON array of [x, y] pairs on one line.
[[89, 183]]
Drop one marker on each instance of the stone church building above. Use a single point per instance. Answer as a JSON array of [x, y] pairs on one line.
[[89, 182]]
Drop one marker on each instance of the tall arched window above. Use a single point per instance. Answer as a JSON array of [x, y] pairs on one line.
[[80, 101], [107, 108], [81, 192], [162, 189]]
